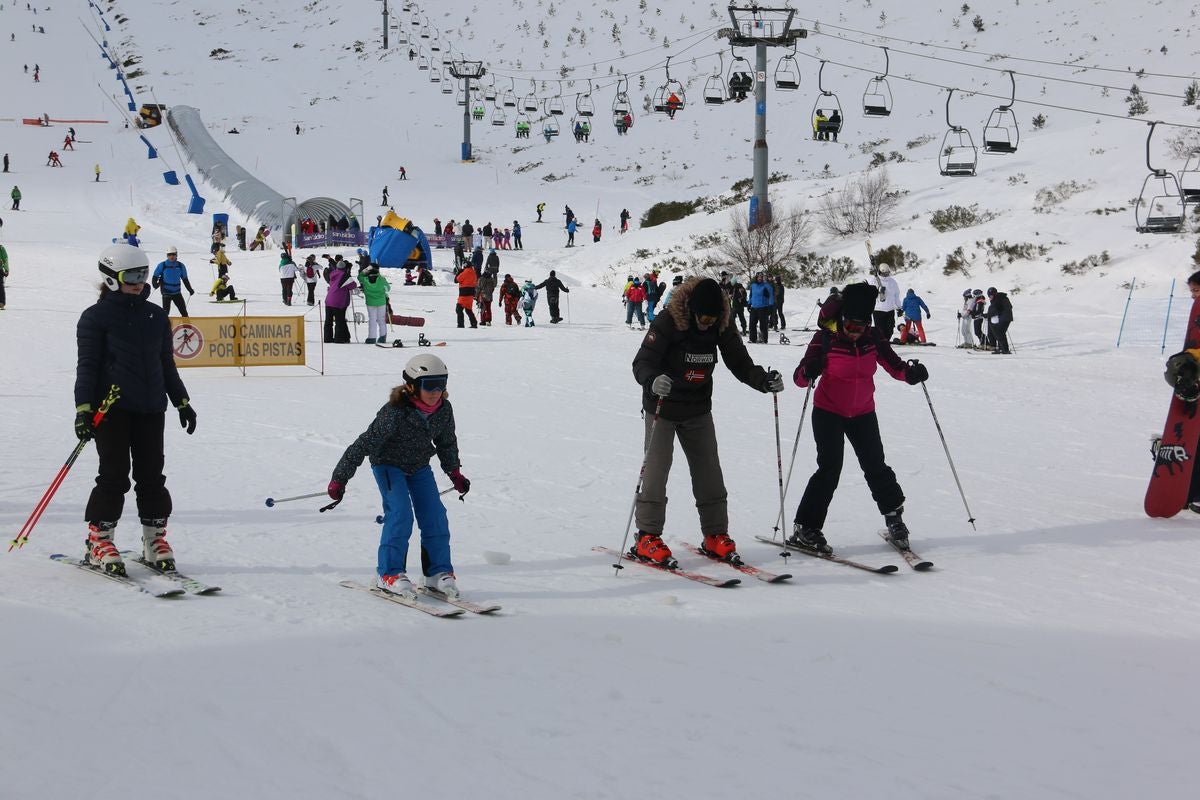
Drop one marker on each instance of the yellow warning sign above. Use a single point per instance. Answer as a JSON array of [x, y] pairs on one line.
[[237, 341]]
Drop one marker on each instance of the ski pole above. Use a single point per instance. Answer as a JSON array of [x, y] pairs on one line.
[[271, 501], [795, 447], [641, 475], [953, 471], [114, 392], [816, 305], [779, 467]]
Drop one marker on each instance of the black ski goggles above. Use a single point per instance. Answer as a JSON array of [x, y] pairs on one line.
[[432, 383], [855, 326], [133, 276]]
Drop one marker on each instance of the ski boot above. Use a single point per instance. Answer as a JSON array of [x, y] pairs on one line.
[[397, 343], [155, 549], [897, 530], [397, 584], [809, 539], [101, 552], [719, 545], [443, 582], [650, 547]]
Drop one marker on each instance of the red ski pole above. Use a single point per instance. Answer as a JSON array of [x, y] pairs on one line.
[[27, 528]]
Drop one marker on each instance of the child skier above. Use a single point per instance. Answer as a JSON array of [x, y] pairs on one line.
[[510, 296], [375, 289], [529, 298], [416, 422], [844, 408]]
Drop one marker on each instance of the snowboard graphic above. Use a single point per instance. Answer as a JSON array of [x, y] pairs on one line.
[[1167, 493]]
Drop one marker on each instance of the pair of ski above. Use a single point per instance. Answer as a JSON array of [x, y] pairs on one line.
[[458, 606], [763, 575], [178, 582], [911, 558]]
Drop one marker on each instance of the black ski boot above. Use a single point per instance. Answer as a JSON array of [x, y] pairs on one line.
[[897, 530], [810, 539]]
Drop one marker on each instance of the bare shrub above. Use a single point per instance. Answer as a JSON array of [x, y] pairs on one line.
[[770, 248], [863, 206]]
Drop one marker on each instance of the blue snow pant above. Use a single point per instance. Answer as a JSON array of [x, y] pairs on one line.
[[402, 496]]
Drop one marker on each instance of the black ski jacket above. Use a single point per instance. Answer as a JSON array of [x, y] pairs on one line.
[[553, 287]]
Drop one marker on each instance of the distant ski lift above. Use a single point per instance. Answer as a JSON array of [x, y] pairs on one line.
[[416, 20], [828, 106], [1000, 133], [675, 98], [530, 103], [958, 156], [424, 31], [714, 87], [877, 99], [489, 91], [402, 36], [1189, 179], [435, 76], [739, 79], [584, 107], [550, 125], [435, 46], [499, 118], [422, 63], [447, 81], [1160, 205], [787, 72], [554, 105], [622, 109]]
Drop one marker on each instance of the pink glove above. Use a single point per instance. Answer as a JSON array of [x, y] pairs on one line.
[[336, 489], [461, 484]]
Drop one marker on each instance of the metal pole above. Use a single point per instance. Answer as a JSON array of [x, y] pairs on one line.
[[1125, 313], [385, 24], [466, 148], [1167, 321], [760, 208]]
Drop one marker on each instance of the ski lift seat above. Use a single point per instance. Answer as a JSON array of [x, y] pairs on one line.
[[1165, 224], [876, 111]]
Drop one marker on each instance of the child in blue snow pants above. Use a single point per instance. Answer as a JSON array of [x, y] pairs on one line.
[[402, 496]]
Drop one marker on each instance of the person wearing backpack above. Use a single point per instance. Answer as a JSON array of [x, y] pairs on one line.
[[310, 277], [510, 296]]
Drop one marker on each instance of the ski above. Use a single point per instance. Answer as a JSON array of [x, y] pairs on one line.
[[910, 558], [129, 583], [741, 566], [458, 602], [433, 611], [192, 585], [691, 576], [886, 569]]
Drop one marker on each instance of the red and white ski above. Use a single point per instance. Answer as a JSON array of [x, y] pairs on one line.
[[741, 566], [683, 573]]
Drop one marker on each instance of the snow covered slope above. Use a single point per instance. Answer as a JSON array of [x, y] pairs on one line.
[[1049, 655]]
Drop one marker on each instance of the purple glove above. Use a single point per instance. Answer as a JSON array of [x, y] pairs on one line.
[[336, 489], [461, 484]]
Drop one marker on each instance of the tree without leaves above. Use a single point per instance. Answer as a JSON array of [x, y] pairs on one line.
[[862, 207], [770, 248]]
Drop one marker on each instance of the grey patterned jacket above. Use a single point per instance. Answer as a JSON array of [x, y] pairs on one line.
[[401, 436]]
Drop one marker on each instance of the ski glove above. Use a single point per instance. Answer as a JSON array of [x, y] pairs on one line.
[[661, 385], [773, 382], [187, 417], [83, 423], [461, 484], [336, 490], [813, 369], [916, 373]]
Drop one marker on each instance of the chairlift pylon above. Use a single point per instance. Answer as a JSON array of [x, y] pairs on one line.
[[958, 156], [1001, 134], [877, 98], [1160, 205]]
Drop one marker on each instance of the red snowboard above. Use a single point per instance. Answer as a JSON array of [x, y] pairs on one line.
[[1167, 493]]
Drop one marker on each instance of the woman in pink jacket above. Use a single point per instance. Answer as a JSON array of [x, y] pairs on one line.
[[844, 408]]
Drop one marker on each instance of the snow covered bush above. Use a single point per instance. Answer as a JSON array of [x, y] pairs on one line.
[[953, 218]]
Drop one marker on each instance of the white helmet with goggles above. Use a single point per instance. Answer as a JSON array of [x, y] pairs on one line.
[[123, 263]]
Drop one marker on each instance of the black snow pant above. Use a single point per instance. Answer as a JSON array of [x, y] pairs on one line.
[[979, 335], [177, 299], [3, 300], [124, 437], [460, 311], [336, 330], [830, 431], [740, 313], [552, 302], [758, 323], [1000, 334], [885, 322], [312, 288], [286, 284]]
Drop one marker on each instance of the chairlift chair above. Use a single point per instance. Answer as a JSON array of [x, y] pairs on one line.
[[554, 106], [489, 91], [877, 98], [1001, 134], [424, 31], [714, 90], [673, 89], [738, 79], [509, 98], [787, 72], [958, 156], [499, 118], [1189, 179], [551, 124], [435, 46], [461, 99], [827, 103], [416, 20], [435, 76], [658, 102], [584, 107], [447, 81], [1160, 205], [530, 103], [422, 63]]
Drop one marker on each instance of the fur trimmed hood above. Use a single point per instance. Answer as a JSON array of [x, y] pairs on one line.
[[679, 306]]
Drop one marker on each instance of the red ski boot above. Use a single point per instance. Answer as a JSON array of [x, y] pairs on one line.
[[651, 547], [720, 545]]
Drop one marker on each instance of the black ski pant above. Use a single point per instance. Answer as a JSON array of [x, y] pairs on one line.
[[979, 335], [312, 288], [286, 284], [830, 431], [740, 313], [552, 302], [2, 298], [336, 330], [177, 299], [460, 310], [1000, 333], [758, 323], [885, 322], [779, 316], [126, 437]]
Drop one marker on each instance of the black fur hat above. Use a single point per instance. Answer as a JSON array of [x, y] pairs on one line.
[[858, 301]]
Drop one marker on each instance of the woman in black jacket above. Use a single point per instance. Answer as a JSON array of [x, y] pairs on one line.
[[125, 341]]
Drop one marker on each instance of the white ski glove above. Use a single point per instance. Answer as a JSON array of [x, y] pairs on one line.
[[661, 385]]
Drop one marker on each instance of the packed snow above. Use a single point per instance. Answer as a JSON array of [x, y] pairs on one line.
[[1050, 654]]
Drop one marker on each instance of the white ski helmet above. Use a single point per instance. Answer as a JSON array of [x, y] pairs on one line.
[[425, 366], [119, 258]]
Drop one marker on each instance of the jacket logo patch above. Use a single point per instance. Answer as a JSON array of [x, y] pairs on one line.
[[699, 358], [650, 337], [694, 376]]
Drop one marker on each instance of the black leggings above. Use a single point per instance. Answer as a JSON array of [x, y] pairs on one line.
[[830, 431], [126, 437]]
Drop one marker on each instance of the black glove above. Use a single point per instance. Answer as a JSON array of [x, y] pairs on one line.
[[915, 373], [187, 417], [814, 368], [772, 382], [83, 424]]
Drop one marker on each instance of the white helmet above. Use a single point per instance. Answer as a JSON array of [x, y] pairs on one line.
[[425, 366], [119, 258]]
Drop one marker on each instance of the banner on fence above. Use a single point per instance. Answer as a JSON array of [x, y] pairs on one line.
[[237, 341]]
